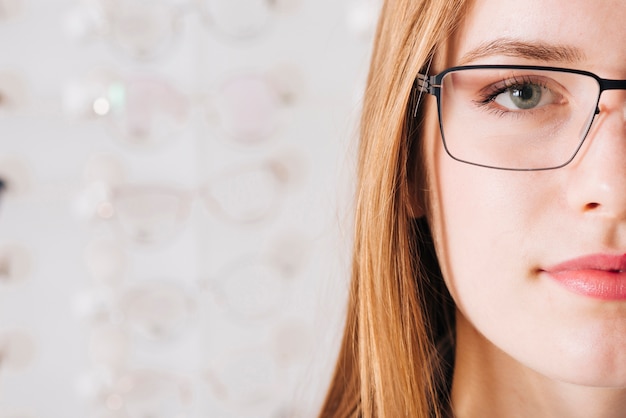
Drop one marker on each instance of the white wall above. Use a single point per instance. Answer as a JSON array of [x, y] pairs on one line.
[[223, 319]]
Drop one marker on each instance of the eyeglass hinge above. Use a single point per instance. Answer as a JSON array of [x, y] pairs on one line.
[[426, 84], [423, 83]]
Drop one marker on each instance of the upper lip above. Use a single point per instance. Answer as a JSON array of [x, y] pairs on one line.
[[602, 262]]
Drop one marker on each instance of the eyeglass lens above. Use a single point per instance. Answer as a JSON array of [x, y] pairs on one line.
[[520, 119]]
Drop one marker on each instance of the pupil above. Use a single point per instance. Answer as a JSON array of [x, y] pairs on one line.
[[526, 96], [525, 93]]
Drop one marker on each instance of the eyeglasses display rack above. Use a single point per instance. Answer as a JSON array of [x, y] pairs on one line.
[[174, 204]]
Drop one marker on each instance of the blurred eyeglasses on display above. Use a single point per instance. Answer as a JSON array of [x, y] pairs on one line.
[[249, 107], [142, 111], [15, 263], [154, 214], [141, 29], [238, 19], [17, 350], [106, 261], [17, 176], [145, 29], [148, 393], [3, 187], [249, 289], [10, 8], [13, 91], [109, 348], [147, 110], [244, 378], [157, 310]]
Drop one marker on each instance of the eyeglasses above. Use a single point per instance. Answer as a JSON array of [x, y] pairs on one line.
[[238, 19], [10, 9], [250, 288], [515, 117], [17, 349], [15, 264], [145, 29], [146, 111], [151, 214], [145, 392], [244, 378]]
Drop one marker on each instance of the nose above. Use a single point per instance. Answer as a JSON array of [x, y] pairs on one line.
[[597, 184]]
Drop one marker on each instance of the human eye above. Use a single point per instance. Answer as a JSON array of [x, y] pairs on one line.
[[520, 93]]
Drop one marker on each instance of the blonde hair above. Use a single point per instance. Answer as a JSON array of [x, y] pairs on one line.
[[390, 365]]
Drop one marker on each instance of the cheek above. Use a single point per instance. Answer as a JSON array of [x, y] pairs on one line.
[[481, 233], [487, 224]]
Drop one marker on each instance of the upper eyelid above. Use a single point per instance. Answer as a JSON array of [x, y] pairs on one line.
[[514, 81], [526, 78]]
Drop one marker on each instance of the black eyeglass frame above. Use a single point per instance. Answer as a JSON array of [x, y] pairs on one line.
[[432, 85]]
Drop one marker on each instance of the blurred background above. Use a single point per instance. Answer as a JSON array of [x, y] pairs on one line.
[[175, 218]]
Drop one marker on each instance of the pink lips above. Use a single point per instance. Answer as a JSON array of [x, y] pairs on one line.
[[599, 276]]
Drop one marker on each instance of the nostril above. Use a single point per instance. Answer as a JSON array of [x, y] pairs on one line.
[[592, 206]]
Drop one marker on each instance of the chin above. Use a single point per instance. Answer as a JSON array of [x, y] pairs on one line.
[[599, 365]]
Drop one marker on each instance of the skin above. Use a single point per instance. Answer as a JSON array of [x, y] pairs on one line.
[[526, 345]]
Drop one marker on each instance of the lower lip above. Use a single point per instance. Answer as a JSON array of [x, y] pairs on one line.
[[597, 284]]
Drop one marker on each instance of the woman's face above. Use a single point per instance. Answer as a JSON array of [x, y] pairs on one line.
[[503, 236]]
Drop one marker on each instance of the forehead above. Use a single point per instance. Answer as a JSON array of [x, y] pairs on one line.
[[593, 31]]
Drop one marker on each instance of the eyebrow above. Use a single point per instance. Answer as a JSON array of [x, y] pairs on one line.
[[522, 49]]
